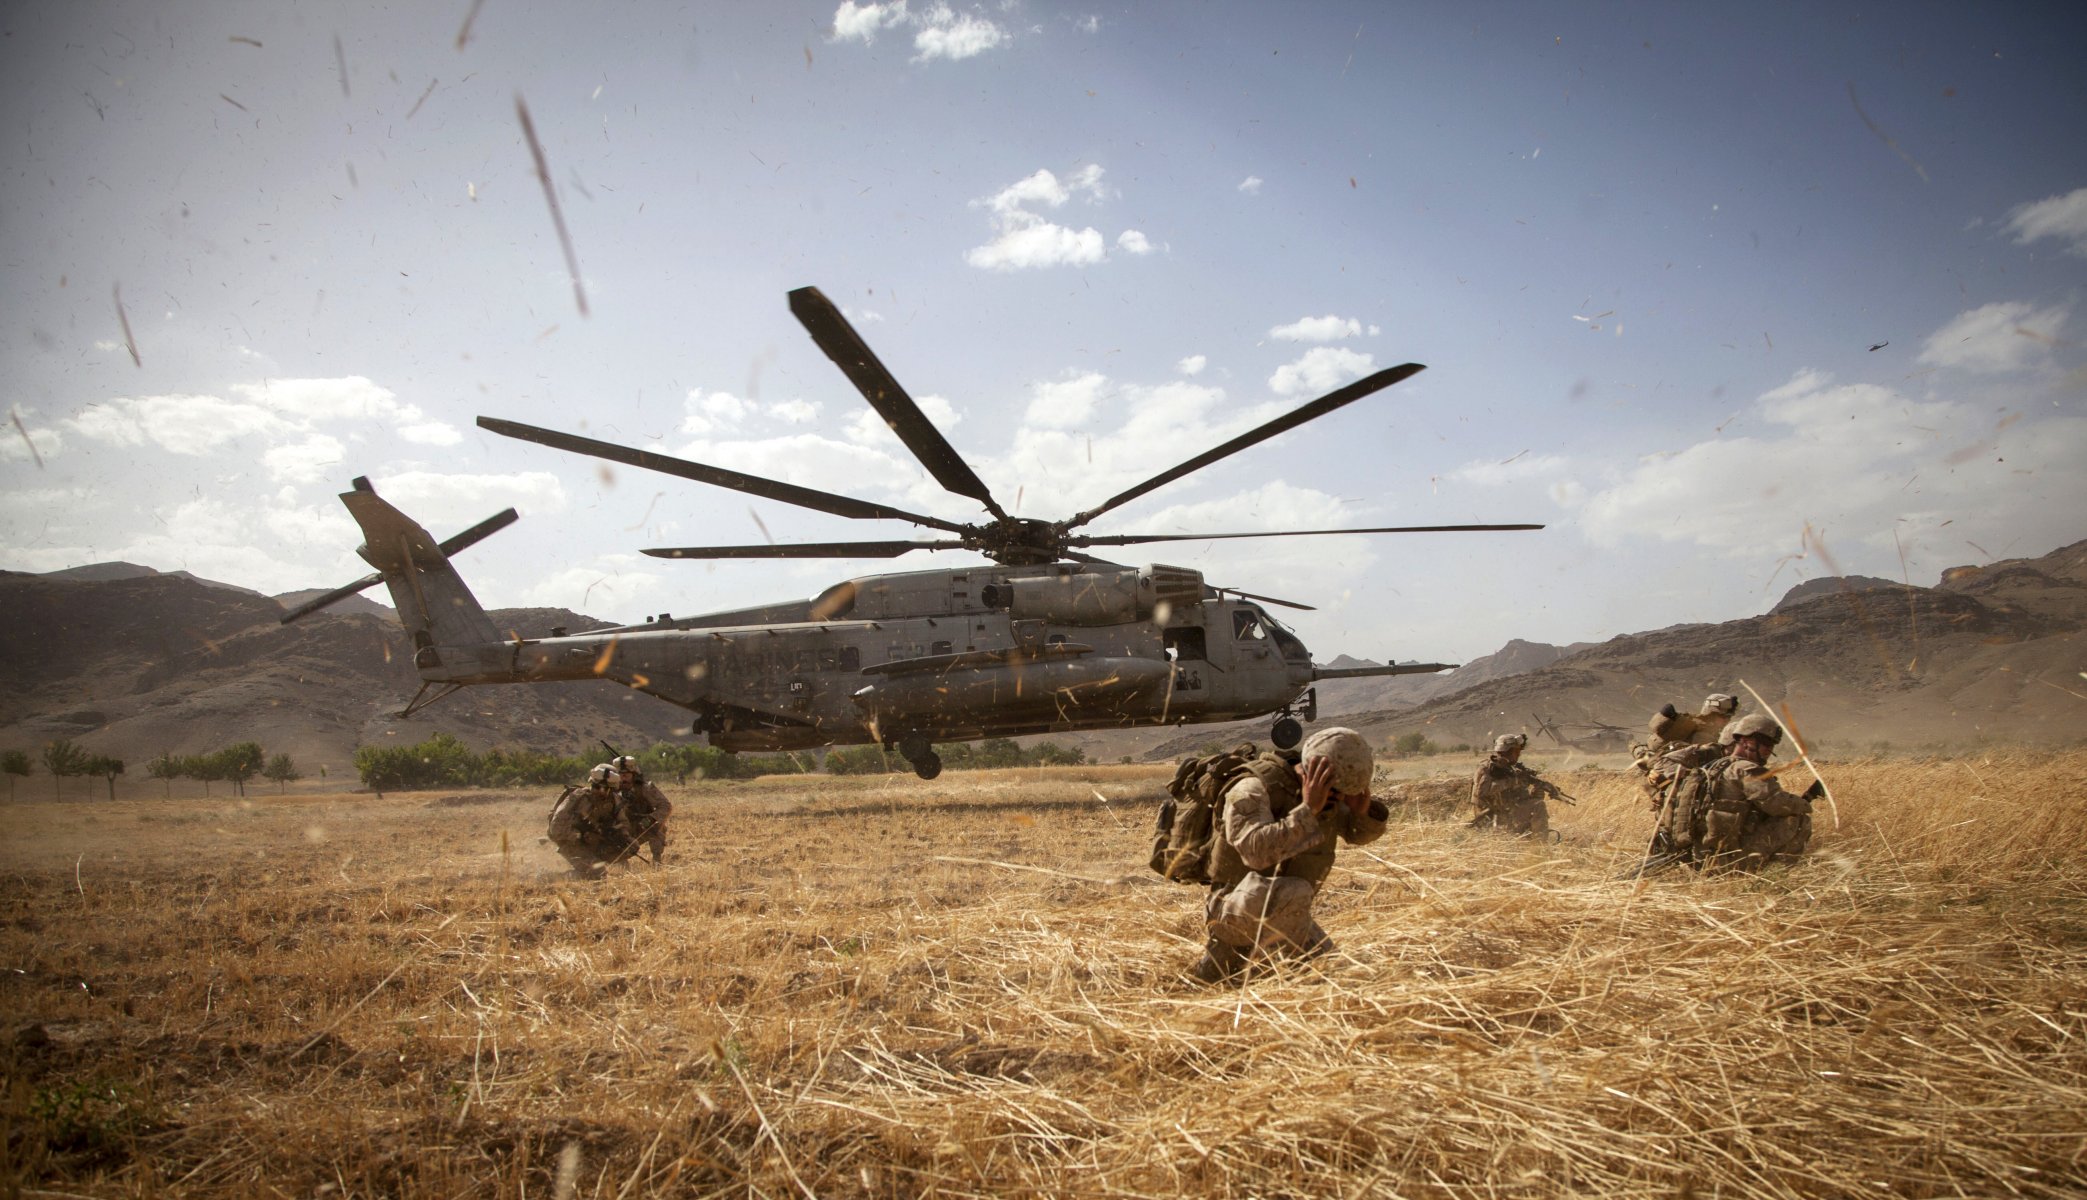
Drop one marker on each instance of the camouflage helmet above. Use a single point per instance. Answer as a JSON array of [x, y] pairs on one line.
[[624, 764], [601, 775], [1349, 754], [1754, 725], [1509, 741], [1719, 704]]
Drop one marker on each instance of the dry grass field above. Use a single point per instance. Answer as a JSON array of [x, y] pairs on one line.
[[841, 987]]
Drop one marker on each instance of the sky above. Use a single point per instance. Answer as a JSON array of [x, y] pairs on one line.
[[1727, 298]]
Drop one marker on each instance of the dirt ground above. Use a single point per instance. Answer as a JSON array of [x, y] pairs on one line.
[[856, 986]]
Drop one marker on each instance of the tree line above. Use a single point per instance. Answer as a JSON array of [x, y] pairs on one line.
[[445, 761], [235, 764]]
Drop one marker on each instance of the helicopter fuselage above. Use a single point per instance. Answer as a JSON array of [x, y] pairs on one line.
[[939, 655]]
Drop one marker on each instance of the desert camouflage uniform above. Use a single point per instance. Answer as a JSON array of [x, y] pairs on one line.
[[1507, 797], [589, 829], [1773, 823], [1684, 729], [1269, 858], [1665, 734], [644, 809]]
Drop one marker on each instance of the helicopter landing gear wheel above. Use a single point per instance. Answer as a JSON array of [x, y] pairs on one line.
[[1286, 733], [920, 752]]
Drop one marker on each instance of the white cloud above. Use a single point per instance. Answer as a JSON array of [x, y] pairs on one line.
[[862, 22], [2003, 336], [1328, 328], [1066, 403], [611, 588], [447, 502], [1037, 243], [955, 36], [1088, 24], [1025, 239], [352, 397], [2063, 217], [13, 448], [1192, 365], [1857, 461], [794, 412], [708, 412], [302, 462], [1063, 470], [297, 524], [1322, 369], [431, 433], [866, 428], [1131, 241], [1251, 185], [1493, 473], [814, 460], [182, 424]]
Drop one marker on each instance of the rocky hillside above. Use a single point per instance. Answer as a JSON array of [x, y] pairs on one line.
[[148, 663], [1990, 653]]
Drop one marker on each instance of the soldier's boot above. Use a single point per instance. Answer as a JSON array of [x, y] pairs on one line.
[[1220, 963]]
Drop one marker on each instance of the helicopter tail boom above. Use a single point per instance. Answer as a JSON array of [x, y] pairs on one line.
[[433, 604]]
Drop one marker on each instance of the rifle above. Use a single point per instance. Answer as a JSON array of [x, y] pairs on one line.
[[1548, 788], [1654, 864], [614, 753]]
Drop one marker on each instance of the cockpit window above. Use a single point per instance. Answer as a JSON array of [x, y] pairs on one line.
[[1247, 627], [1288, 644]]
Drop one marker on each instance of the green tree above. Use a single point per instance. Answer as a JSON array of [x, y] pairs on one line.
[[996, 752], [13, 763], [62, 758], [1051, 754], [241, 762], [106, 766], [281, 770], [167, 768], [206, 767], [1414, 743]]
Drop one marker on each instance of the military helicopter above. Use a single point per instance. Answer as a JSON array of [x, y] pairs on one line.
[[1041, 638]]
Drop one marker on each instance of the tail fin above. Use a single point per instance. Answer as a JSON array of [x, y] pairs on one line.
[[434, 605]]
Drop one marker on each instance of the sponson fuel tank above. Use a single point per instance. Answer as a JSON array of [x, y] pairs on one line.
[[1016, 688]]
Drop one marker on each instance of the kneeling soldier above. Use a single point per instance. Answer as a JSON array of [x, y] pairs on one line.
[[1509, 795], [644, 807], [1275, 844], [587, 824]]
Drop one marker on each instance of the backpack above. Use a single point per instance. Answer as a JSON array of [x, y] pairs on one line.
[[1700, 818], [1188, 817]]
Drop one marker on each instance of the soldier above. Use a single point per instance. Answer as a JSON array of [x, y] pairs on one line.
[[1509, 795], [1275, 845], [1664, 770], [1670, 730], [644, 807], [587, 824], [1751, 821]]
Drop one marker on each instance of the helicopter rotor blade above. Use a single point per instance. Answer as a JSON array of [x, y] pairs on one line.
[[450, 546], [1127, 539], [1269, 599], [803, 550], [667, 464], [1291, 420], [823, 320]]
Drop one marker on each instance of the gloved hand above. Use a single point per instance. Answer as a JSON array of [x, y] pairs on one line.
[[1667, 711], [1815, 791]]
